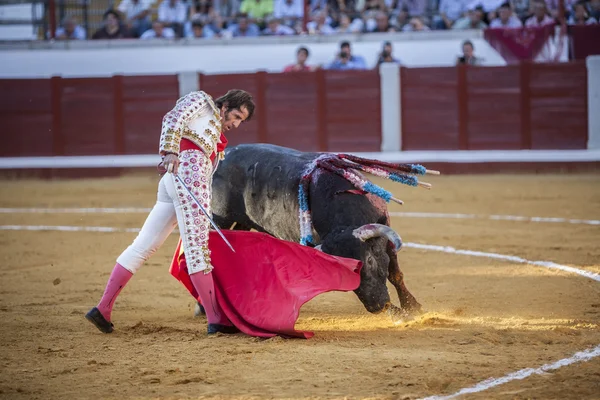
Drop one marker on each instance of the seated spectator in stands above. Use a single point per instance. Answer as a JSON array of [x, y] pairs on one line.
[[300, 66], [474, 20], [595, 9], [468, 57], [506, 19], [288, 11], [319, 24], [400, 18], [137, 15], [201, 10], [382, 23], [244, 28], [173, 14], [345, 60], [386, 55], [415, 8], [540, 16], [158, 31], [580, 16], [199, 31], [227, 9], [275, 28], [523, 9], [415, 24], [70, 30], [257, 10], [111, 28], [450, 12], [553, 6], [217, 26], [347, 26]]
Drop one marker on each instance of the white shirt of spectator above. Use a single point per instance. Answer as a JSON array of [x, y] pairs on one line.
[[513, 22], [169, 15], [283, 10], [589, 21], [131, 9], [356, 26], [533, 21], [78, 33], [454, 9], [488, 5], [324, 29], [168, 33], [279, 31]]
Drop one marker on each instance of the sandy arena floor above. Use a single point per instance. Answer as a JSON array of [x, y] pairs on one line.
[[485, 318]]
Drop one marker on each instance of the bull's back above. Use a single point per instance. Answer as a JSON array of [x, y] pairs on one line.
[[259, 183]]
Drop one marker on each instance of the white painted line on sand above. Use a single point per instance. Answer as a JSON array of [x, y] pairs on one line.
[[545, 264], [580, 356], [494, 217], [65, 228]]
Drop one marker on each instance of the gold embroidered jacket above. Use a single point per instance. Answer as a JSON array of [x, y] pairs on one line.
[[194, 117]]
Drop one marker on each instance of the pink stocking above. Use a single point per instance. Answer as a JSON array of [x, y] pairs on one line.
[[205, 287], [117, 281]]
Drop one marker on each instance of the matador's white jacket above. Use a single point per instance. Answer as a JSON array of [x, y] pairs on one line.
[[195, 117]]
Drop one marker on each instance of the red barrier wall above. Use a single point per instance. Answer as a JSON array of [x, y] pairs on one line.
[[530, 106]]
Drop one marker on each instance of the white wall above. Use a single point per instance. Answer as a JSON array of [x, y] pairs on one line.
[[420, 49]]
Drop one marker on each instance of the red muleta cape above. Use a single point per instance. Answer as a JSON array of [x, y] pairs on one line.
[[262, 286]]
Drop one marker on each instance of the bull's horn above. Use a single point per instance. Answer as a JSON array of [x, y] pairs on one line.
[[319, 247], [369, 231]]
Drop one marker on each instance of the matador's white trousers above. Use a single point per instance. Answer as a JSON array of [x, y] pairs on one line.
[[174, 206]]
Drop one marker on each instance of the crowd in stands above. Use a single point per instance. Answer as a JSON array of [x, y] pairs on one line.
[[252, 18]]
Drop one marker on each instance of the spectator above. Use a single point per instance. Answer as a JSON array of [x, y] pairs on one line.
[[540, 15], [275, 28], [217, 26], [112, 27], [158, 31], [345, 60], [468, 57], [227, 9], [173, 14], [288, 10], [506, 19], [522, 8], [595, 9], [244, 28], [200, 31], [553, 5], [319, 24], [474, 20], [70, 30], [415, 8], [201, 10], [137, 14], [346, 26], [300, 66], [580, 16], [416, 24], [382, 23], [402, 19], [257, 10], [450, 12], [386, 55]]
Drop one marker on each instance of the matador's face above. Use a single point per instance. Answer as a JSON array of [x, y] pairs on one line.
[[233, 118]]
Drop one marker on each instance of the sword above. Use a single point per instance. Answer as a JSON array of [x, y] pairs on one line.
[[204, 211]]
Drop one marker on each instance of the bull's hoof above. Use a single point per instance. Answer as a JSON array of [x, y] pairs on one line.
[[96, 318], [400, 316], [199, 310]]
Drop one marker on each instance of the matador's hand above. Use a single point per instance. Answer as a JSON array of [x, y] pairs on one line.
[[171, 163]]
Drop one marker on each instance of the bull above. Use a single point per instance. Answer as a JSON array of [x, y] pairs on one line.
[[256, 187]]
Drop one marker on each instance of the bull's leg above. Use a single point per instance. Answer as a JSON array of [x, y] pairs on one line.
[[396, 277]]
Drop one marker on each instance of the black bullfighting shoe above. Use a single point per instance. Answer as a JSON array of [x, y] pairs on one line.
[[96, 318], [217, 328]]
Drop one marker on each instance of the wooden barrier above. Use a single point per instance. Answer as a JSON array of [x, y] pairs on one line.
[[530, 106]]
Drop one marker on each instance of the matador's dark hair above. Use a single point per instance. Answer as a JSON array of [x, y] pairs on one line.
[[236, 99]]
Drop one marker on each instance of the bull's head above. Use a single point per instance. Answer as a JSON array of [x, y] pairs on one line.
[[367, 243]]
